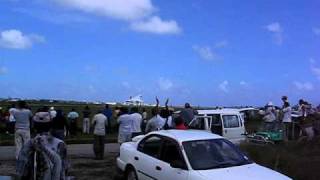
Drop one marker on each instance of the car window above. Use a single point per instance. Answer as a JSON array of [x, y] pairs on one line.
[[213, 153], [151, 146], [230, 121], [171, 152]]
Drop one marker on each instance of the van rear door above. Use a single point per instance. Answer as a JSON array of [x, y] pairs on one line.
[[232, 126], [201, 123]]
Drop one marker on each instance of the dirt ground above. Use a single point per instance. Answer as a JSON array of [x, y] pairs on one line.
[[83, 166]]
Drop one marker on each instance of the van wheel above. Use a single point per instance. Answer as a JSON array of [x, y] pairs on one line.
[[131, 174]]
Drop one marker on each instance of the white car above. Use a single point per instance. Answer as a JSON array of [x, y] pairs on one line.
[[188, 155]]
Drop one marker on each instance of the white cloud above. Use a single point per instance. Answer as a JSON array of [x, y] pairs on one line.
[[303, 86], [140, 14], [314, 69], [243, 83], [3, 70], [274, 27], [118, 9], [316, 31], [165, 84], [224, 86], [15, 39], [156, 25], [205, 52], [221, 44], [209, 52], [126, 84], [277, 32]]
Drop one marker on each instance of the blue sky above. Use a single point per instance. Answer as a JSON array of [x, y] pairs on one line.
[[201, 51]]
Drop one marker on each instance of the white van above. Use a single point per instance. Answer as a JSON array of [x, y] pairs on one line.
[[224, 122]]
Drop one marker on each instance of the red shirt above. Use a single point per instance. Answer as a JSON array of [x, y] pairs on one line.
[[181, 127]]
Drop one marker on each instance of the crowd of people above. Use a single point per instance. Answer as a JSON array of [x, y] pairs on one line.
[[130, 122], [303, 115]]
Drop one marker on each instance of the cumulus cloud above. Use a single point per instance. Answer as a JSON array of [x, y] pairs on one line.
[[221, 44], [125, 84], [139, 13], [303, 86], [205, 52], [224, 86], [314, 68], [3, 70], [15, 39], [209, 52], [277, 32], [165, 84], [118, 9], [243, 83], [316, 31], [156, 25]]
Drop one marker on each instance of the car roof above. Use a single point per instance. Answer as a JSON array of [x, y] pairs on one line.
[[219, 111], [187, 135]]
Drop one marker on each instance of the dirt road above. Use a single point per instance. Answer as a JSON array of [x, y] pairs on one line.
[[83, 166]]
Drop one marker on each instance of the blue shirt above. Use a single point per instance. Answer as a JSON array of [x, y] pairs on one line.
[[107, 113]]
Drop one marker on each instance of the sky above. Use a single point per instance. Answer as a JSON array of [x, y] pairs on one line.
[[206, 52]]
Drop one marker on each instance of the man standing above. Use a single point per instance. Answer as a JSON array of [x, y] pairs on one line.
[[188, 113], [108, 113], [156, 122], [269, 117], [86, 120], [99, 122], [287, 121], [73, 117], [22, 115], [137, 121], [125, 126]]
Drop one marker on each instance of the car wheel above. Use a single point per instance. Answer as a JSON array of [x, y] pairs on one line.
[[131, 174]]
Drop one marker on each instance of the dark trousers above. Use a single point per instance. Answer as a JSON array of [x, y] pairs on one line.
[[73, 128], [98, 146]]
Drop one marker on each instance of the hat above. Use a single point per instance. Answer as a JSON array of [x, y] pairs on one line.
[[52, 108]]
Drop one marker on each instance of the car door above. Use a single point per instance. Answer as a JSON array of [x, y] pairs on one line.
[[147, 163], [171, 152], [232, 126], [200, 123]]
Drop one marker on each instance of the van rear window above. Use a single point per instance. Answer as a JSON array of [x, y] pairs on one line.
[[230, 121]]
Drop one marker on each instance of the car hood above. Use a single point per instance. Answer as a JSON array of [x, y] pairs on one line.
[[245, 172]]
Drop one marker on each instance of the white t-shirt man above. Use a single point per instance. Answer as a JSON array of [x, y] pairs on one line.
[[136, 122], [100, 121]]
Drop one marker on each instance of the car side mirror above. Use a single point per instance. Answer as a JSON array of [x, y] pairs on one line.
[[178, 165]]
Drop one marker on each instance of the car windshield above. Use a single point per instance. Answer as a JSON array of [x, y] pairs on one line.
[[213, 154]]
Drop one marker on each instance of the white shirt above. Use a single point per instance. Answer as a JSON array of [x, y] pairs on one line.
[[73, 115], [53, 113], [100, 121], [287, 115], [170, 122], [11, 117], [125, 124], [156, 123], [269, 116], [144, 115], [136, 119]]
